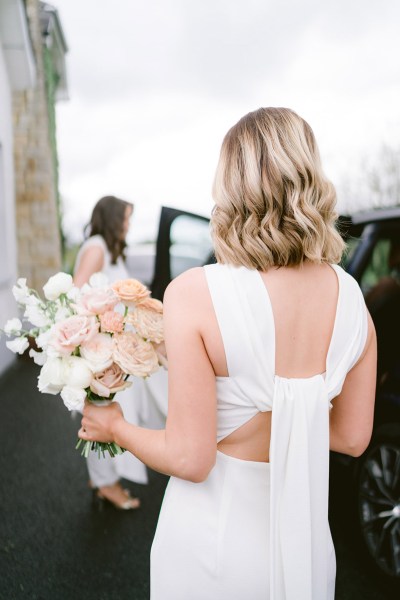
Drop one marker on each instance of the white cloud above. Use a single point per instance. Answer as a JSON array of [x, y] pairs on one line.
[[155, 85]]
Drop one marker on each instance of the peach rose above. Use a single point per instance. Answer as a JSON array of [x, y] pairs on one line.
[[110, 381], [97, 301], [134, 355], [67, 335], [112, 322], [147, 322], [130, 291], [152, 304]]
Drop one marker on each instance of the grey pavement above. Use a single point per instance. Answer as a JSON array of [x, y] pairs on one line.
[[55, 546]]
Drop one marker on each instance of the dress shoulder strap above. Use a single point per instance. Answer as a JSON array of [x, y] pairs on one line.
[[245, 320], [349, 333]]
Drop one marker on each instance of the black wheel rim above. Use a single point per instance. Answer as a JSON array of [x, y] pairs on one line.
[[379, 503]]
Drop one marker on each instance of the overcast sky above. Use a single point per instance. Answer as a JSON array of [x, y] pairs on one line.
[[154, 86]]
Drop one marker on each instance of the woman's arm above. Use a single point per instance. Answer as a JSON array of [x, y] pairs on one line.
[[91, 262], [187, 446], [352, 415]]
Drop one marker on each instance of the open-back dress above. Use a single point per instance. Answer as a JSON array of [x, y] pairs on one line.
[[256, 530]]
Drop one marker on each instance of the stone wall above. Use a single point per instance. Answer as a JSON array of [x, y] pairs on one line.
[[37, 219]]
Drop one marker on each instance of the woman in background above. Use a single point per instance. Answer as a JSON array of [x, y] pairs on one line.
[[103, 251]]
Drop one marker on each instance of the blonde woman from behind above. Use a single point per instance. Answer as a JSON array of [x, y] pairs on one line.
[[272, 361]]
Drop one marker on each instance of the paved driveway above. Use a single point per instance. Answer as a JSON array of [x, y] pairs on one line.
[[53, 546]]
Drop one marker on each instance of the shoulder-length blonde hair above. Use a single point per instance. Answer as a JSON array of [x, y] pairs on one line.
[[273, 203]]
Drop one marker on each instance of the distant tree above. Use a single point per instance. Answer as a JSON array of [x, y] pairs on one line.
[[383, 177], [376, 185]]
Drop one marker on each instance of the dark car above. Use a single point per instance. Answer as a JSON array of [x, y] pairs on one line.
[[373, 258]]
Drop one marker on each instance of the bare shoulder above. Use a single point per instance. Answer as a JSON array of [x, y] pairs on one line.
[[189, 287]]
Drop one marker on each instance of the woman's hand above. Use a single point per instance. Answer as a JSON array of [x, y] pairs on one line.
[[99, 422]]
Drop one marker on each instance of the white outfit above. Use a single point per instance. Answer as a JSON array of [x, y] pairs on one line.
[[137, 402], [256, 530]]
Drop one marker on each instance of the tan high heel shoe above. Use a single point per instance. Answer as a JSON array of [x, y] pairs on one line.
[[99, 500]]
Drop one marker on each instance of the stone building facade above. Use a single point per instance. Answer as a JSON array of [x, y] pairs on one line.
[[39, 239], [32, 78]]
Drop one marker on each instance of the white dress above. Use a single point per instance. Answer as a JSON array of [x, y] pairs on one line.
[[253, 530], [144, 403]]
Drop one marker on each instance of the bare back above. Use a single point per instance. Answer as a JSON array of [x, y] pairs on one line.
[[304, 301]]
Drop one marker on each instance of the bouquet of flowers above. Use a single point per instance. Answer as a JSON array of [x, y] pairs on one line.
[[88, 340]]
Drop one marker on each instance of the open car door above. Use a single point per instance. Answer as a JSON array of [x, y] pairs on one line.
[[183, 242]]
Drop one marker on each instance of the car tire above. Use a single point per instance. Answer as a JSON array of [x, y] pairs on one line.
[[378, 499]]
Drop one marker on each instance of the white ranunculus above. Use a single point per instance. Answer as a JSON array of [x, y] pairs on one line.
[[38, 357], [73, 398], [58, 284], [52, 379], [36, 316], [98, 280], [18, 345], [12, 327], [98, 352], [78, 374]]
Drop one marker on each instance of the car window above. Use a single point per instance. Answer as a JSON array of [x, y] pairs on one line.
[[380, 265], [352, 244], [191, 243]]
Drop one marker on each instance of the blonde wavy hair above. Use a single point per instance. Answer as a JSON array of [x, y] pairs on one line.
[[273, 203]]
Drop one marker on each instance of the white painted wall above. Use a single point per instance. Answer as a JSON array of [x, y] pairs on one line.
[[8, 250]]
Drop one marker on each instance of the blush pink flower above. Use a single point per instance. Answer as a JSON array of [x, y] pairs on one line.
[[110, 381], [97, 301], [147, 320], [134, 355], [130, 291], [69, 334], [112, 322], [98, 352]]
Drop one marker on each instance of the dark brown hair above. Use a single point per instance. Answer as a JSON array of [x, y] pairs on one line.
[[107, 220]]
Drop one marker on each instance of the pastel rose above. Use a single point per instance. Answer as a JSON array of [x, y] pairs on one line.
[[130, 291], [134, 355], [112, 322], [98, 352], [161, 352], [67, 335], [97, 301], [152, 304], [147, 323], [110, 381]]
